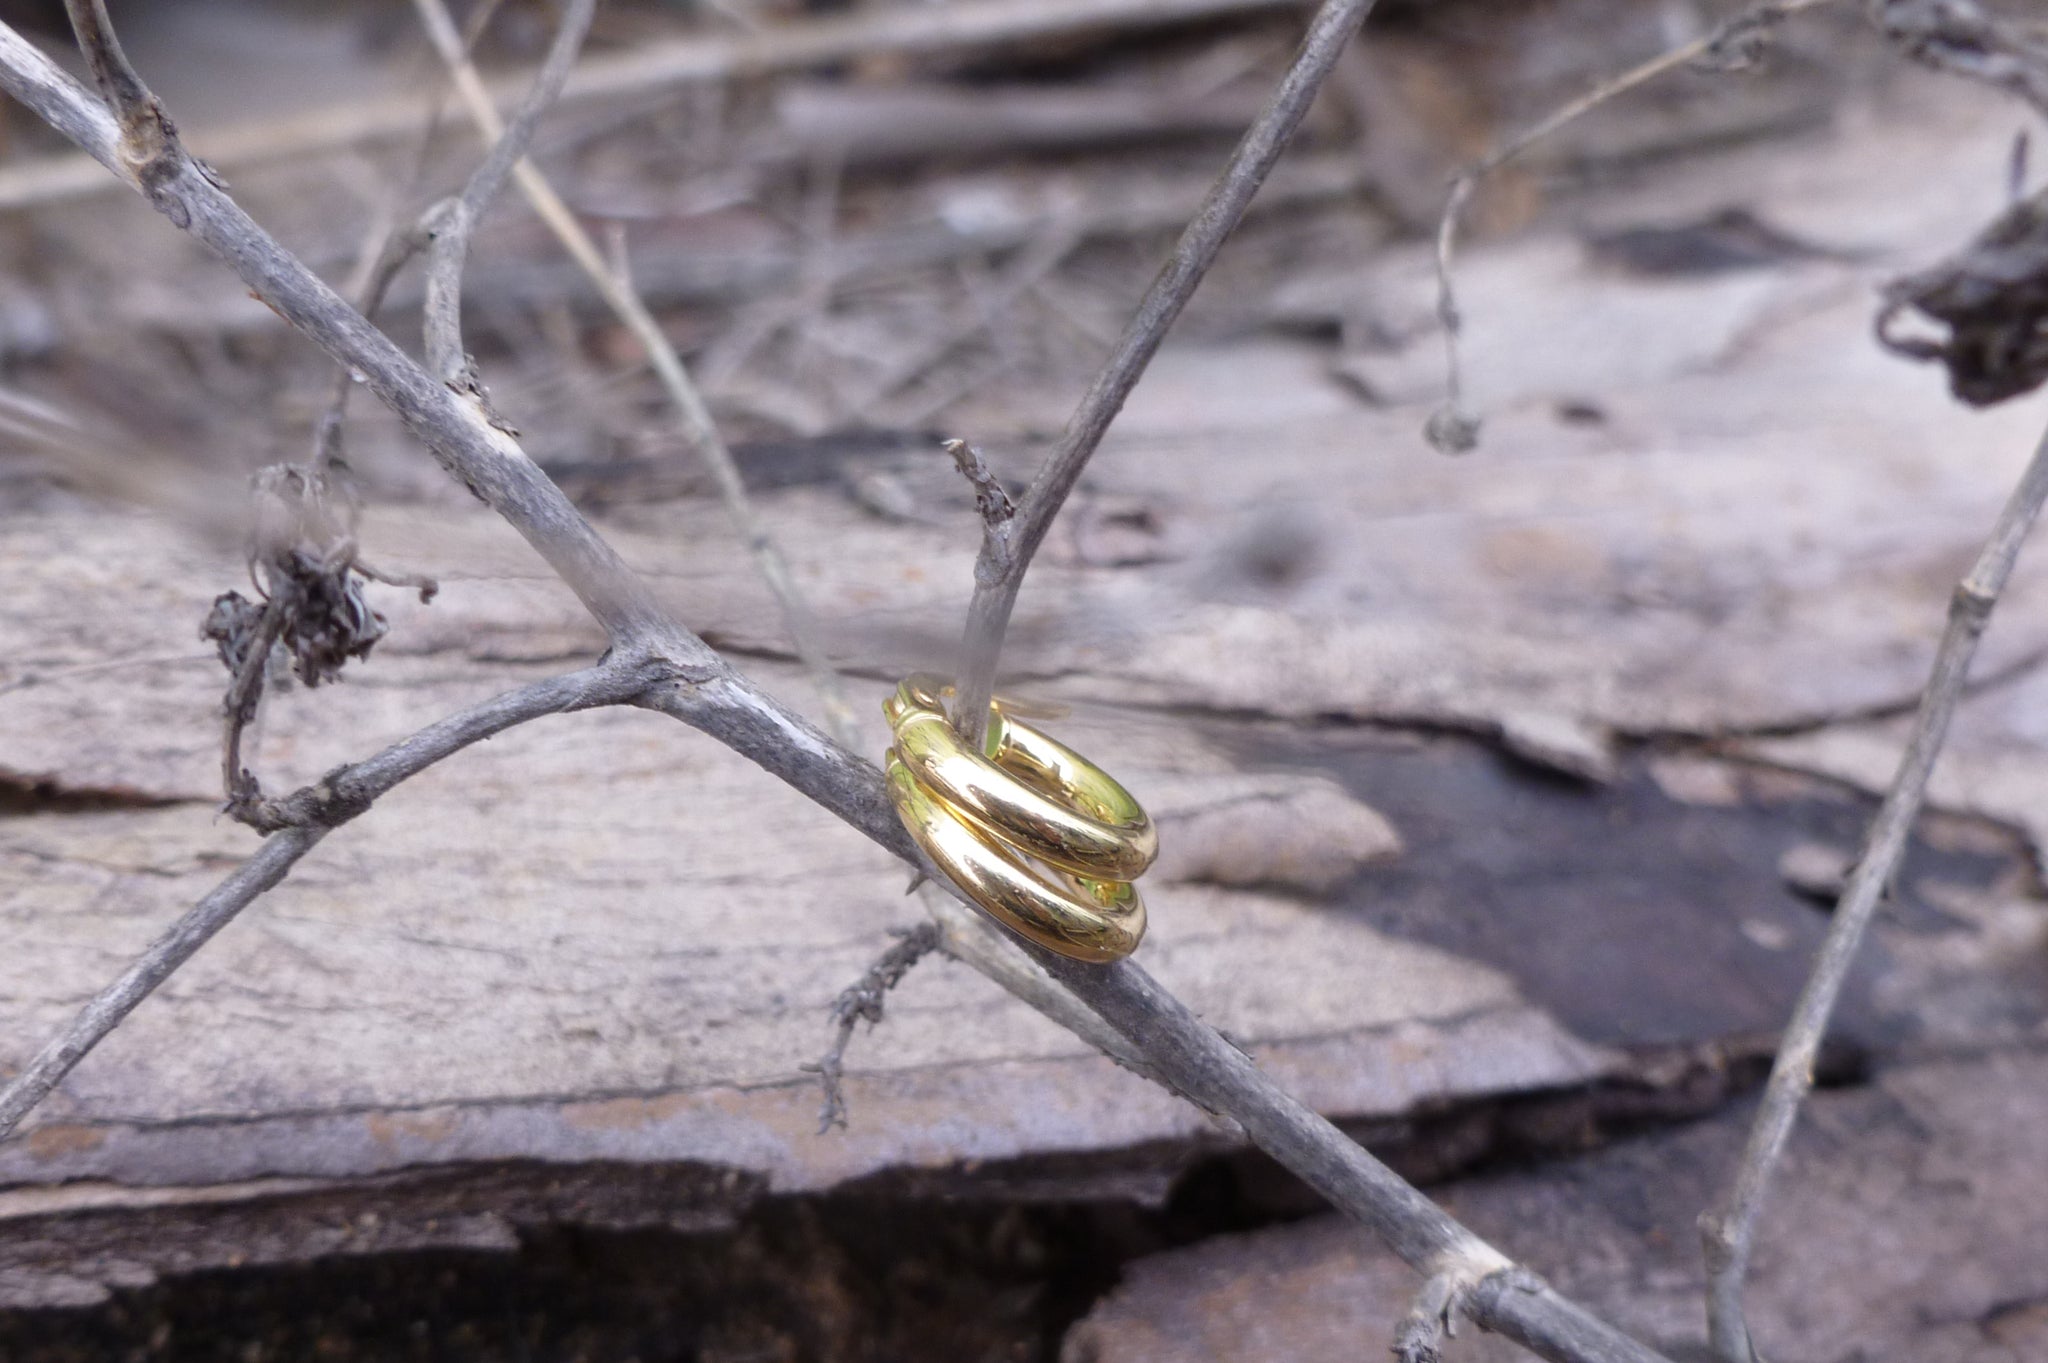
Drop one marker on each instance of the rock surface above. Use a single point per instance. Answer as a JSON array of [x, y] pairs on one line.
[[1910, 1221], [1706, 508]]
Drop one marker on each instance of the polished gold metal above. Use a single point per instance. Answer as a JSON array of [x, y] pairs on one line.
[[985, 817]]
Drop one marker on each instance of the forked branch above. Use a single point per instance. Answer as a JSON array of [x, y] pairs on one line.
[[1453, 428], [699, 430], [1000, 571], [864, 1001], [968, 934], [301, 820], [456, 223], [118, 80]]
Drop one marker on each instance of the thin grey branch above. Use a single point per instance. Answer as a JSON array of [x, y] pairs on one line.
[[454, 226], [272, 862], [396, 251], [998, 577], [387, 251], [969, 936], [301, 820], [698, 427], [863, 1001], [998, 513], [245, 696], [699, 688], [1516, 1303], [1419, 1338], [1729, 1230], [1177, 1048], [118, 80], [1453, 429]]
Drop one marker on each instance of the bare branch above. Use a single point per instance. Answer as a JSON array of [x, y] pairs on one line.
[[698, 427], [118, 81], [245, 689], [1729, 1230], [272, 862], [969, 935], [392, 255], [386, 251], [997, 582], [975, 940], [1420, 1336], [998, 512], [300, 821], [862, 1001], [1177, 1048], [454, 225], [1451, 428]]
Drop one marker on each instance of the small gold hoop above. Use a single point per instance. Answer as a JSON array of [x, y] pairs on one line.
[[983, 818]]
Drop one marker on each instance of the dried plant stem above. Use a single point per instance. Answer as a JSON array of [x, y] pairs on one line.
[[313, 813], [698, 427], [392, 255], [1453, 429], [1729, 1230], [456, 223], [245, 696], [1419, 1336], [272, 862], [116, 77], [1000, 571], [863, 1001], [968, 935]]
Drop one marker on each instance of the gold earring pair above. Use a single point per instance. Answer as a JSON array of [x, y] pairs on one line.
[[985, 817]]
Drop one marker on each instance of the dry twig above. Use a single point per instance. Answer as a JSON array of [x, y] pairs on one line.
[[452, 227], [1993, 299], [300, 821], [1729, 1230], [698, 427], [862, 1001], [999, 572], [1419, 1338], [1451, 428], [969, 936]]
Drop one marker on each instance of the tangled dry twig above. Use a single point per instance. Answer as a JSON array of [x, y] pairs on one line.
[[1993, 298]]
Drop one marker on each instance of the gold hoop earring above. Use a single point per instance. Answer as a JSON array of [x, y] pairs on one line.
[[985, 817]]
